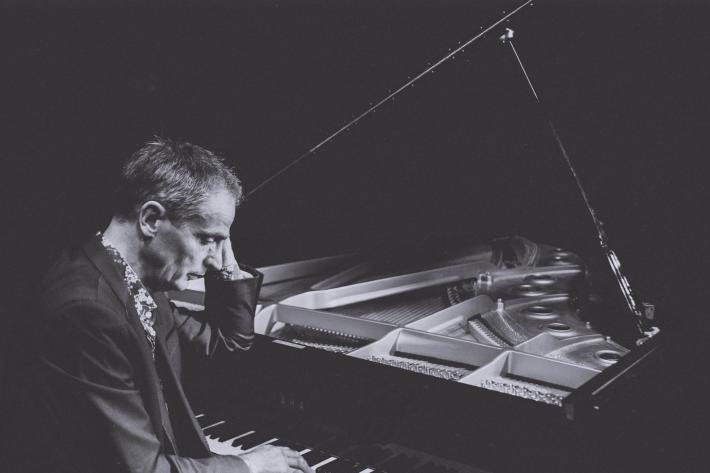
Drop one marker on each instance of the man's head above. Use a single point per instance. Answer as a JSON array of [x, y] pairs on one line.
[[178, 175], [177, 201]]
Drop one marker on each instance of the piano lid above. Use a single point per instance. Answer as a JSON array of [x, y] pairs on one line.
[[464, 153]]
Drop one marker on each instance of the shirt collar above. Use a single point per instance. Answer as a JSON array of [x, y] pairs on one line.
[[142, 300]]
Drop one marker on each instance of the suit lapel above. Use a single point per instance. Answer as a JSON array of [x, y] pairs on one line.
[[97, 254], [186, 429], [151, 382], [190, 440]]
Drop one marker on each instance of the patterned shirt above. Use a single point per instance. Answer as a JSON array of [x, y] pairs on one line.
[[142, 300]]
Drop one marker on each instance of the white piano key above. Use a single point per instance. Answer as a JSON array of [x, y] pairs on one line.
[[212, 425], [248, 432], [263, 443], [232, 439], [222, 448], [324, 462], [225, 447], [241, 436]]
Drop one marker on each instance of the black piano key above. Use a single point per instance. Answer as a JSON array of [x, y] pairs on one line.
[[216, 422], [341, 465], [230, 431], [242, 439], [211, 417], [336, 445], [254, 439], [400, 463], [292, 444], [204, 420], [310, 435], [315, 456], [207, 430], [234, 426], [215, 429], [370, 454], [427, 467]]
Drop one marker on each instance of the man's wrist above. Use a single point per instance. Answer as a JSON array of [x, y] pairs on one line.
[[250, 466], [227, 273], [232, 272]]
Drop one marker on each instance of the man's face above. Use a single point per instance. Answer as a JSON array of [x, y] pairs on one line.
[[187, 250]]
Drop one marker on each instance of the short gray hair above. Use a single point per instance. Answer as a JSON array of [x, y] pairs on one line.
[[177, 174]]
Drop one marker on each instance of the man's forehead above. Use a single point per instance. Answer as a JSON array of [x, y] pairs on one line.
[[212, 224], [217, 212]]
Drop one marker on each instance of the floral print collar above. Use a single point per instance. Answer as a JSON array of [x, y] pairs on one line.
[[142, 300]]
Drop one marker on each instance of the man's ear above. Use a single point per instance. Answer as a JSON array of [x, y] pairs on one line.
[[150, 216]]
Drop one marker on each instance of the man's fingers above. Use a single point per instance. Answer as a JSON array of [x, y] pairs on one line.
[[301, 465], [270, 458], [229, 261], [228, 258], [295, 460], [290, 454]]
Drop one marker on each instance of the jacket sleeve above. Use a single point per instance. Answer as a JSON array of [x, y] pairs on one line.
[[88, 388], [227, 323]]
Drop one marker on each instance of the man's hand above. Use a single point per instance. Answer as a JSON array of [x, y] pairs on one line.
[[270, 459], [228, 258], [230, 268]]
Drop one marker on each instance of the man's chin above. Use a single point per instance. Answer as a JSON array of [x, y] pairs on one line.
[[179, 285], [182, 283], [176, 285]]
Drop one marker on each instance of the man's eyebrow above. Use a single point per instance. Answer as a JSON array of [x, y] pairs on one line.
[[216, 235]]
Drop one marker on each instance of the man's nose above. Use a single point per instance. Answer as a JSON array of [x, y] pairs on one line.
[[214, 258]]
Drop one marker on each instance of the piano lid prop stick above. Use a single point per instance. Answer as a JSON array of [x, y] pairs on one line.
[[641, 317], [390, 96]]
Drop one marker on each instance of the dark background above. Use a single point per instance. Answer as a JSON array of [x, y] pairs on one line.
[[463, 153]]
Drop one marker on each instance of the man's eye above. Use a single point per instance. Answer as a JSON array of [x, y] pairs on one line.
[[207, 240]]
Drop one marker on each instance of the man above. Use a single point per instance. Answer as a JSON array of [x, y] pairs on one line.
[[99, 385]]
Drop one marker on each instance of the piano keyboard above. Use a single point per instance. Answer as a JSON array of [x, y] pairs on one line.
[[225, 438], [227, 435]]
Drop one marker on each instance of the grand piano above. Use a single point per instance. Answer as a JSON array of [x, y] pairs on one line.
[[472, 351], [507, 339]]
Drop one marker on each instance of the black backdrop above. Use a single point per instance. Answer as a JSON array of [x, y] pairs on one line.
[[464, 152]]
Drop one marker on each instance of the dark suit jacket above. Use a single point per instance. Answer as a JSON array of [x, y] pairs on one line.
[[87, 389]]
